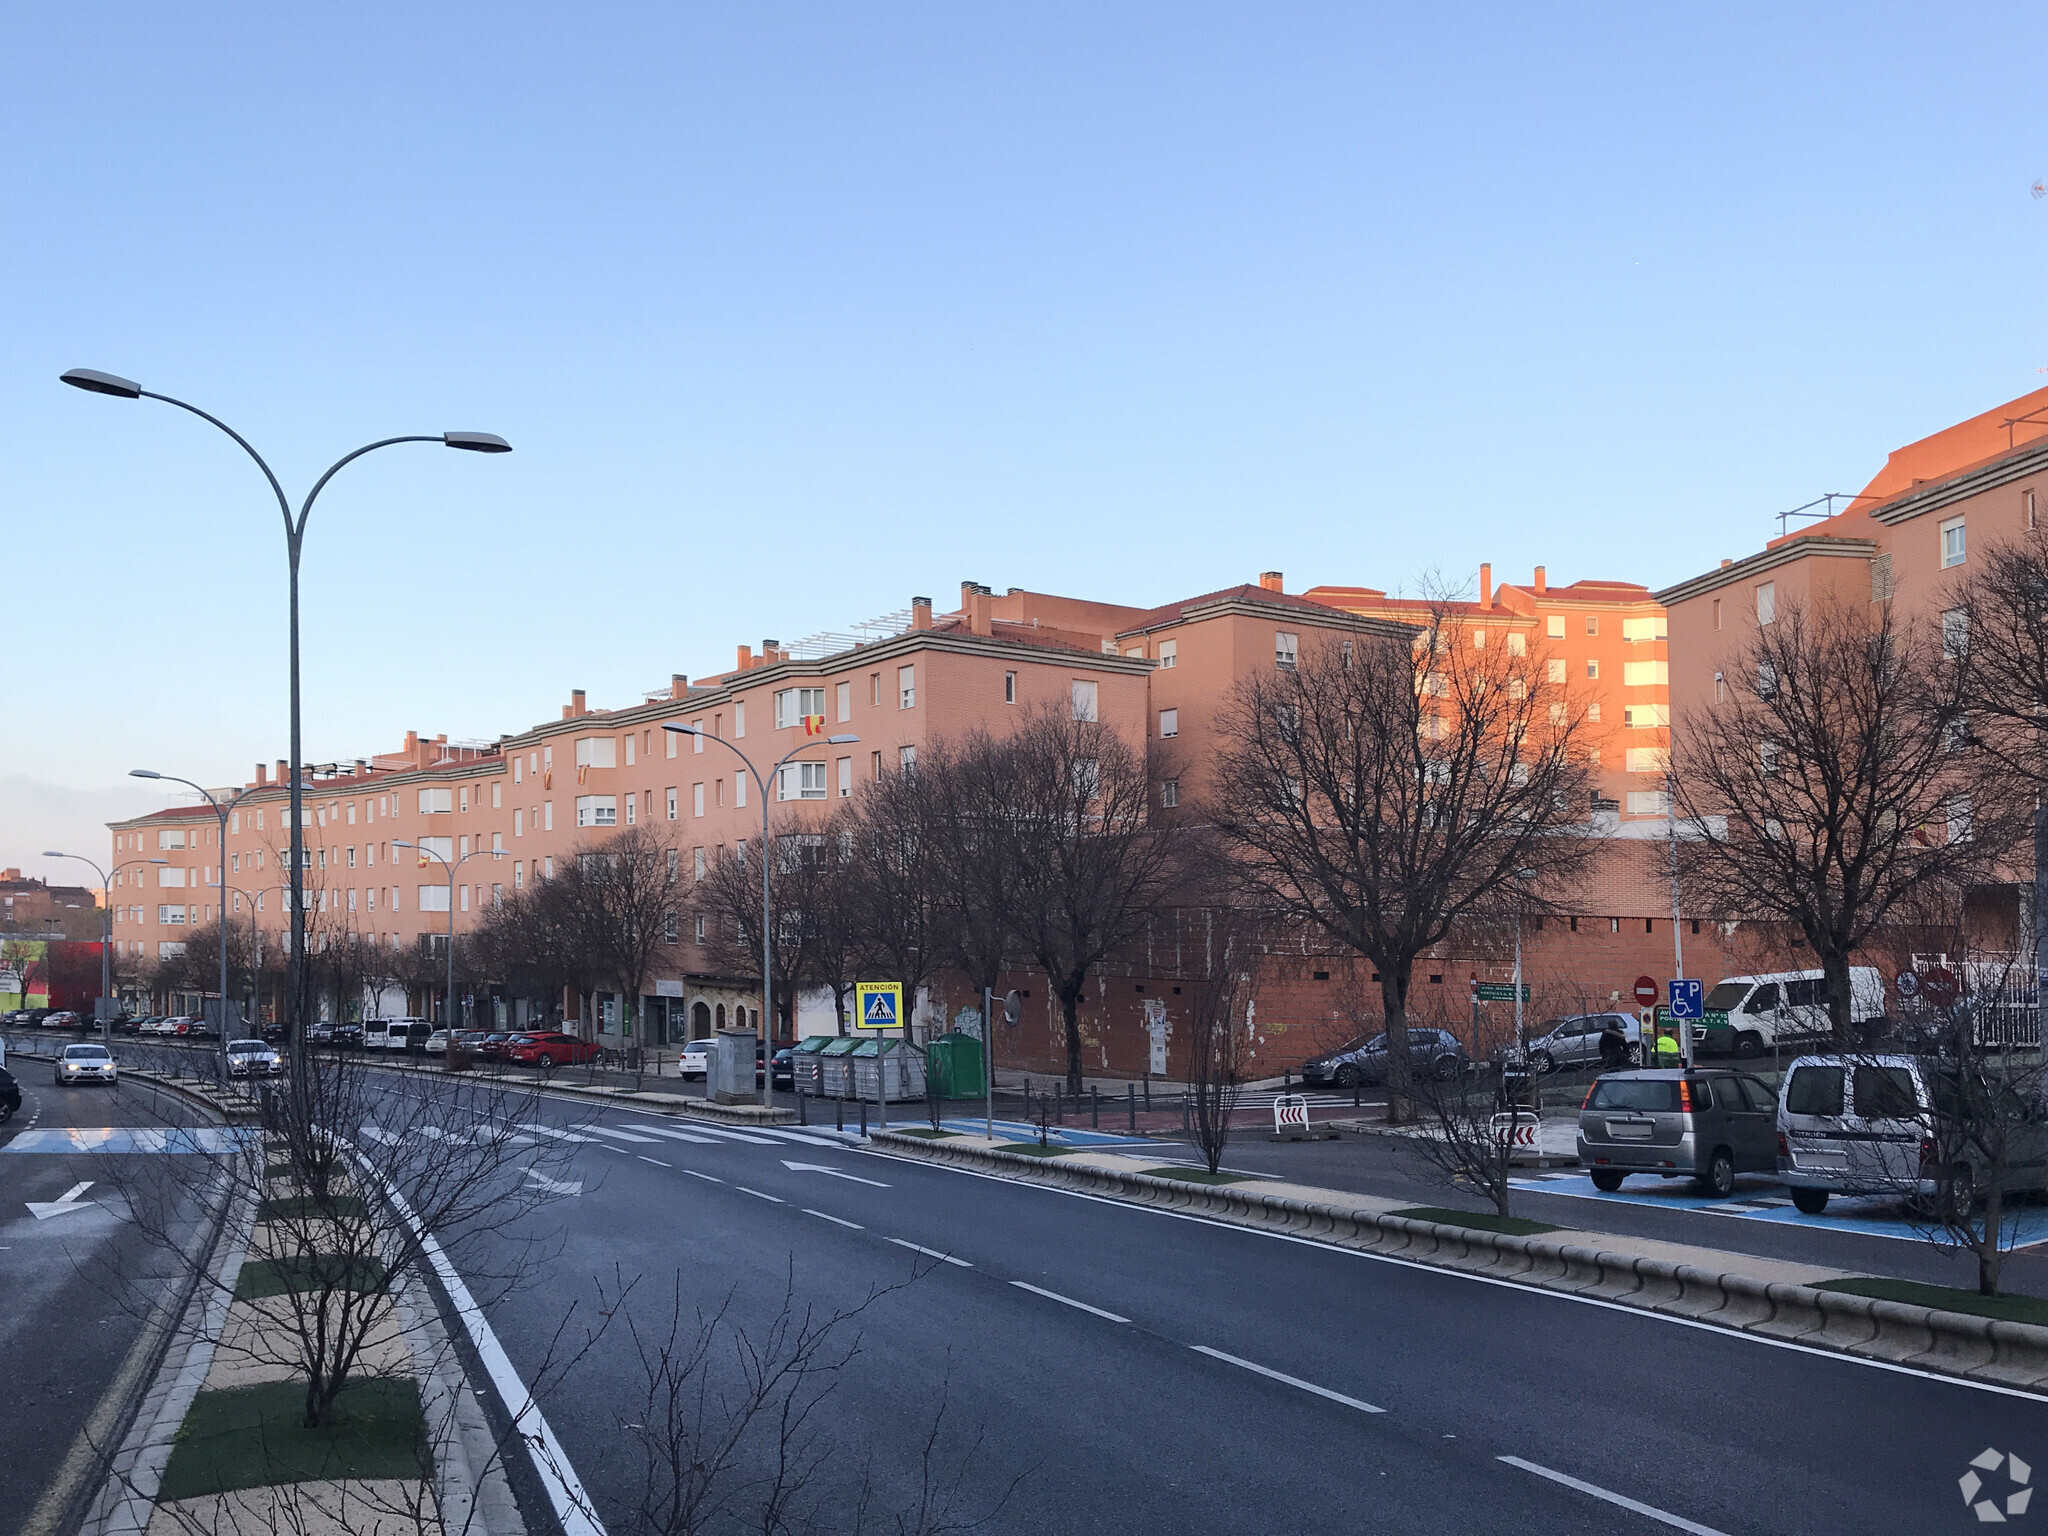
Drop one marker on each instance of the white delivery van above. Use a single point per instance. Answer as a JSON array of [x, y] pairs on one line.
[[1749, 1015]]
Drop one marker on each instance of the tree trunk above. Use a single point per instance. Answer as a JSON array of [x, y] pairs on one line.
[[1835, 968], [1070, 1010], [1394, 981], [1990, 1260]]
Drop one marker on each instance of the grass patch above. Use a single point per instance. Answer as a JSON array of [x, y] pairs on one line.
[[925, 1131], [307, 1272], [1033, 1149], [1198, 1176], [2012, 1309], [309, 1208], [252, 1437], [1484, 1221]]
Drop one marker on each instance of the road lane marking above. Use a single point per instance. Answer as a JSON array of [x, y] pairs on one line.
[[555, 1186], [1281, 1376], [1039, 1290], [837, 1173], [548, 1130], [722, 1134], [674, 1135], [758, 1195], [835, 1220], [655, 1160], [707, 1178], [635, 1138], [801, 1137], [933, 1253], [1648, 1511]]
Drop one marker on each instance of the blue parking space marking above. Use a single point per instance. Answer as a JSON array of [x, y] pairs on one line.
[[68, 1140], [1758, 1199]]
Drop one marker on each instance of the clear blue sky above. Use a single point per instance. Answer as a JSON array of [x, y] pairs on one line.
[[794, 311]]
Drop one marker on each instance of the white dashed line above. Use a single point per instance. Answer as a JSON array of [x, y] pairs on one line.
[[758, 1195], [933, 1253], [1038, 1290], [835, 1220], [707, 1178], [655, 1160], [1648, 1511], [1282, 1377]]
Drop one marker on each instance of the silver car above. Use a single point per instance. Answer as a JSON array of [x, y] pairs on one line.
[[1703, 1125], [252, 1058], [86, 1064], [1576, 1042]]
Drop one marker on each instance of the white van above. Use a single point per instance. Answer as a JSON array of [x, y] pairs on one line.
[[393, 1034], [1748, 1015]]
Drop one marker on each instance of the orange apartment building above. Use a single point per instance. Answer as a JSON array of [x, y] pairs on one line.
[[510, 809]]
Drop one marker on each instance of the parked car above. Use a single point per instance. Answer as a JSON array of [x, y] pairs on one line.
[[253, 1058], [10, 1095], [437, 1043], [494, 1043], [393, 1034], [552, 1049], [471, 1039], [1431, 1052], [695, 1060], [348, 1037], [62, 1018], [1749, 1015], [785, 1068], [1563, 1045], [86, 1064], [1865, 1125], [1705, 1125], [319, 1033]]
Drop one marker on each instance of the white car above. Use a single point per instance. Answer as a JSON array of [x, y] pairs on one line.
[[437, 1043], [252, 1058], [695, 1060], [86, 1064]]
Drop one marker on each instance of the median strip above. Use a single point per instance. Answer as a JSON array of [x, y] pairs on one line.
[[1284, 1379], [1647, 1511], [1039, 1290]]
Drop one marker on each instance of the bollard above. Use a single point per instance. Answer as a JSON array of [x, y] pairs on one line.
[[863, 1117], [1094, 1107], [803, 1107], [1148, 1092], [1287, 1080], [839, 1114], [1357, 1089], [1131, 1103]]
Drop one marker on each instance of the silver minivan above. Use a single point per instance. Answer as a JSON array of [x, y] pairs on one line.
[[1870, 1125], [1700, 1124]]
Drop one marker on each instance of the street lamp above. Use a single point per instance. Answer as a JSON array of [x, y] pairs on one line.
[[94, 382], [452, 864], [220, 811], [106, 929], [767, 981]]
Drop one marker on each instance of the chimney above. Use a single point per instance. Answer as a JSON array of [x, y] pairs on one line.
[[1486, 584], [1542, 581], [746, 658], [980, 604], [576, 705], [1271, 581], [678, 686], [1726, 563], [771, 652], [262, 774], [284, 771], [920, 613]]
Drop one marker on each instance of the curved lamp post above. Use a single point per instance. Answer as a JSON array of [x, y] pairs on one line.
[[94, 382], [767, 974], [106, 929], [453, 865]]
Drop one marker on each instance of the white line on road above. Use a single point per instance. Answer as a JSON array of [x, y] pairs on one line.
[[835, 1220], [720, 1133], [1281, 1376], [933, 1253], [548, 1130], [1649, 1511], [801, 1137], [655, 1160], [674, 1135], [837, 1173], [707, 1178], [645, 1141], [758, 1195], [1039, 1290]]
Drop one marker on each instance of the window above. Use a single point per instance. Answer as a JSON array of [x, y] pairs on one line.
[[700, 929], [845, 777], [1959, 819], [629, 749], [906, 759], [1286, 648], [1717, 613], [1646, 716], [1087, 777], [435, 802], [1767, 757], [793, 706], [1955, 634], [1084, 700], [1766, 679], [1169, 722], [1009, 687], [877, 766], [597, 752], [1169, 793], [518, 770], [1593, 670], [1592, 624], [1720, 689], [1645, 674], [432, 898], [497, 895], [497, 800], [1518, 644], [169, 840], [1169, 655], [170, 877], [1766, 601], [1953, 548], [1553, 626], [465, 797], [1478, 639], [845, 701], [906, 687], [697, 799], [739, 719], [875, 688], [547, 815], [1553, 670], [1648, 760], [170, 914], [2028, 497], [801, 781], [518, 823], [630, 818], [1646, 802], [671, 927], [739, 789]]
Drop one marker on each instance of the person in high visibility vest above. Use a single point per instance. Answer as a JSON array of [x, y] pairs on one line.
[[1667, 1048]]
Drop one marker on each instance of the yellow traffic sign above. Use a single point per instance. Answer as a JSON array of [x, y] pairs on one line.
[[879, 1004]]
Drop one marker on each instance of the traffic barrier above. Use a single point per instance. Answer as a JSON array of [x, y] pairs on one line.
[[1948, 1343]]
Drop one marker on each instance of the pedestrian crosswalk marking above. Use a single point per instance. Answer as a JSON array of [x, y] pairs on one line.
[[638, 1140]]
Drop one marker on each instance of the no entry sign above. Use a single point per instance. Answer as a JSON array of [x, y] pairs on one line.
[[1646, 992]]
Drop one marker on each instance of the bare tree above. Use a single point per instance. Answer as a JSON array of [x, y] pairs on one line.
[[621, 898], [1838, 782], [1219, 1042], [1387, 790], [1468, 1124], [1089, 864], [728, 898]]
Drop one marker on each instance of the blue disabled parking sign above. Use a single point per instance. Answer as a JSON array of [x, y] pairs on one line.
[[1686, 999]]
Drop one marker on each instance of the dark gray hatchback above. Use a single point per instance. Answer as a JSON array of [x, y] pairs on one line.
[[1705, 1125]]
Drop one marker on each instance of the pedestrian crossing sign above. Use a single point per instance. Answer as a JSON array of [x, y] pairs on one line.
[[879, 1004]]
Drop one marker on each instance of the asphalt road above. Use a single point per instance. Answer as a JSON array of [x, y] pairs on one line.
[[1146, 1372], [76, 1282]]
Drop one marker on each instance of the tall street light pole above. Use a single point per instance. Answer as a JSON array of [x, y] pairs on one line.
[[95, 382], [220, 811], [767, 974], [106, 929], [453, 865]]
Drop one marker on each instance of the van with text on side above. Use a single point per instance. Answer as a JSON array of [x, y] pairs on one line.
[[1749, 1015]]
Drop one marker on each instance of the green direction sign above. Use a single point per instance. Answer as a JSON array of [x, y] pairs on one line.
[[1713, 1018], [1500, 992]]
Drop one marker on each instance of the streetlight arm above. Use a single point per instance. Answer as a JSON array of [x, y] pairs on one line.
[[306, 511], [284, 505]]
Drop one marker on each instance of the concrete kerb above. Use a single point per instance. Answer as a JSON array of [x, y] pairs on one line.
[[1948, 1343]]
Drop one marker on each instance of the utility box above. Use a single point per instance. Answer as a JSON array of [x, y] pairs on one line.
[[954, 1065], [729, 1077]]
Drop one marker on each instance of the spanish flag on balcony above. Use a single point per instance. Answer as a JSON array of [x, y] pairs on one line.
[[423, 858], [814, 725]]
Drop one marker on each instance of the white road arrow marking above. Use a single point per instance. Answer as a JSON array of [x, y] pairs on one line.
[[835, 1172], [42, 1210], [555, 1186]]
